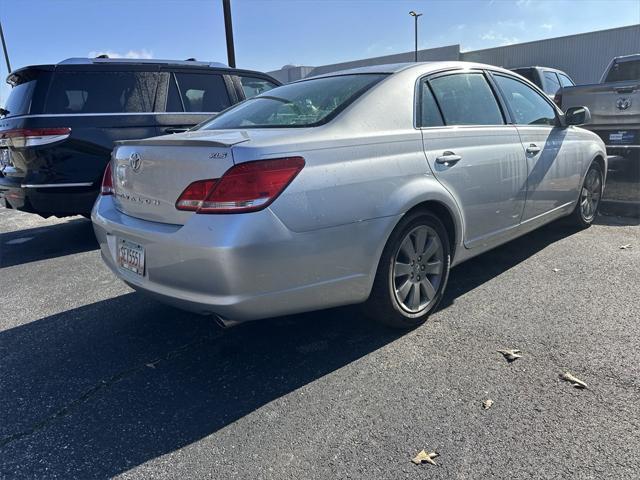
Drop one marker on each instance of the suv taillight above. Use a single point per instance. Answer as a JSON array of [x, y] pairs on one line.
[[107, 181], [33, 137], [246, 187]]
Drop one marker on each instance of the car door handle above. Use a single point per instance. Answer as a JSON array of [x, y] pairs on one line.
[[175, 130], [448, 158], [533, 149]]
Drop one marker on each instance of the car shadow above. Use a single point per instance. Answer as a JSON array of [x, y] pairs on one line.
[[97, 390], [33, 244], [484, 267]]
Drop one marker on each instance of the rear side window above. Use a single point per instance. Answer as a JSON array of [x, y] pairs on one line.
[[527, 105], [466, 99], [551, 83], [565, 81], [102, 92], [621, 71], [201, 92], [253, 86], [19, 100], [28, 92], [429, 112]]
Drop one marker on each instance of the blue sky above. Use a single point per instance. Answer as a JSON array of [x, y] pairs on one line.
[[272, 33]]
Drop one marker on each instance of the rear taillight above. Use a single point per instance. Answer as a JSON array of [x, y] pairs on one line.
[[192, 198], [33, 137], [246, 187], [107, 181]]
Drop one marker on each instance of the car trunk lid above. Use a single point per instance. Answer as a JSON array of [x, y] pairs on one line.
[[149, 175]]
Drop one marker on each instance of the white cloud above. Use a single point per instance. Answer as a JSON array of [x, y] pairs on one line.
[[511, 24], [523, 3], [546, 26], [143, 53], [498, 38]]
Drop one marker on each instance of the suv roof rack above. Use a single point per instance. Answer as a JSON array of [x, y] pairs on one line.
[[105, 59]]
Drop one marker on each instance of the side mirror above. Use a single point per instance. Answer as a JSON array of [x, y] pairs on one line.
[[577, 116]]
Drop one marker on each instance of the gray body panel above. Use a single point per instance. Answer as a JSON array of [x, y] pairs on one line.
[[318, 245]]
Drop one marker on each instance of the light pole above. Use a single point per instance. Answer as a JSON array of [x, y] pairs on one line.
[[228, 30], [415, 17]]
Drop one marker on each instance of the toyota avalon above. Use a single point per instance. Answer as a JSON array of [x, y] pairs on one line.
[[363, 186]]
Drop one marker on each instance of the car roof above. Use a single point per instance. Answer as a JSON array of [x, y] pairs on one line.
[[138, 61], [421, 67], [88, 62], [541, 68]]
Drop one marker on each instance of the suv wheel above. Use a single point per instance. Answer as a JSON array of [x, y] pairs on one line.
[[412, 273]]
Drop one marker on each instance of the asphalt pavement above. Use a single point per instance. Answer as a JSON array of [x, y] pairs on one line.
[[97, 381]]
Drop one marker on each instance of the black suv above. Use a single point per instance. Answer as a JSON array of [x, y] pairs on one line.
[[61, 121]]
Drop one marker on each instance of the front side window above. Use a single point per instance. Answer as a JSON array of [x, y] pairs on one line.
[[527, 105], [200, 92], [302, 104], [622, 71], [466, 99], [551, 83], [253, 86], [102, 92]]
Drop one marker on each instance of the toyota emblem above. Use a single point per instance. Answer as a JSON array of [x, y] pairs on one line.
[[135, 161], [623, 103]]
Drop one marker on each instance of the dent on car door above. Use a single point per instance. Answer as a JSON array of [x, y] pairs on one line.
[[553, 158], [473, 152]]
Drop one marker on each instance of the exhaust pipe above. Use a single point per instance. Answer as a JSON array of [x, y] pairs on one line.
[[225, 323]]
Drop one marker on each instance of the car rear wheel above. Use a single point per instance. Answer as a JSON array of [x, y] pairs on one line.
[[590, 195], [412, 273]]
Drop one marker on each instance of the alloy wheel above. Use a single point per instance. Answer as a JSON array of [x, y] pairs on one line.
[[417, 269], [590, 194]]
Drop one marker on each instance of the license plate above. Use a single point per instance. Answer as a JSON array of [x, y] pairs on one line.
[[130, 257], [622, 137]]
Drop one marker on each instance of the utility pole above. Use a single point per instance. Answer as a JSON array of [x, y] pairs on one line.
[[415, 17], [4, 47], [228, 30]]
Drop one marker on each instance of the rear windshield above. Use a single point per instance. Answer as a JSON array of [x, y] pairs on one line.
[[302, 104], [621, 71], [102, 92]]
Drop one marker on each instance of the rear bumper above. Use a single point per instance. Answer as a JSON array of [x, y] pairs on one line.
[[247, 266], [49, 199]]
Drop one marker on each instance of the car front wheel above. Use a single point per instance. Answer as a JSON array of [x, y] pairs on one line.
[[412, 273]]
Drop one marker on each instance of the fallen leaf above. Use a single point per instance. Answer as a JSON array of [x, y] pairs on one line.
[[624, 247], [424, 457], [556, 270], [576, 382], [487, 404], [510, 354]]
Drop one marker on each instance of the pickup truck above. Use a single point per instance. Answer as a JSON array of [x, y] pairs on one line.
[[614, 104]]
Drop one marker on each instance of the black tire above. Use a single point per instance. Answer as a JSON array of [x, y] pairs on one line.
[[383, 304], [578, 217]]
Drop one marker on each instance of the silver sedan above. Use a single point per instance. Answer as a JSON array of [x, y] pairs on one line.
[[363, 186]]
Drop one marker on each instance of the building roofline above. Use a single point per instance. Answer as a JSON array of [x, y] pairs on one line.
[[551, 38]]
